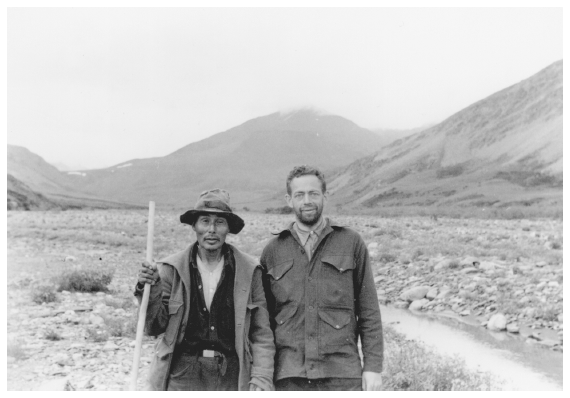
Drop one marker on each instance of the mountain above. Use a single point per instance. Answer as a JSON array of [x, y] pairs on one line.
[[34, 184], [390, 135], [503, 150], [37, 174], [22, 197], [251, 161]]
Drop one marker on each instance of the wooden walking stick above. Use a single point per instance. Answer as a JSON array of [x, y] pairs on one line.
[[144, 302]]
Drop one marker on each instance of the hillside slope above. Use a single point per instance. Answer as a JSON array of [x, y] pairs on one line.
[[503, 150]]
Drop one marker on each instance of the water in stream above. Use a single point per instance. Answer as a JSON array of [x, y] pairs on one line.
[[523, 366]]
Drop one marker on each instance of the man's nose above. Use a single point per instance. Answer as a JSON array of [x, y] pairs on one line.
[[211, 227], [306, 198]]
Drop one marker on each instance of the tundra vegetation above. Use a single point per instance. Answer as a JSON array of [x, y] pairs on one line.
[[71, 274]]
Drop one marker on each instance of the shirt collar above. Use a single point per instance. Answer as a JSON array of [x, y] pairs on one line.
[[226, 251], [304, 233]]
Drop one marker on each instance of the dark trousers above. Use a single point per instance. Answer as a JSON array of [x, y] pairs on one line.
[[327, 384], [190, 372]]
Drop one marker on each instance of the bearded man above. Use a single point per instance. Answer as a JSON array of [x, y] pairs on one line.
[[321, 297]]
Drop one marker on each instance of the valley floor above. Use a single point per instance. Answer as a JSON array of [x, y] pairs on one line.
[[466, 268]]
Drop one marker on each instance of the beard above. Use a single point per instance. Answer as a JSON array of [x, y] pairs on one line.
[[309, 219]]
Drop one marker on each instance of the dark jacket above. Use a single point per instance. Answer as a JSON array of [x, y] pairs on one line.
[[320, 308], [167, 313]]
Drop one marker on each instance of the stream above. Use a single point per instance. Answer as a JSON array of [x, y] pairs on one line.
[[522, 366]]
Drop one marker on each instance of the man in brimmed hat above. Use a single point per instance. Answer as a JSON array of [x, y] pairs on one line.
[[209, 302]]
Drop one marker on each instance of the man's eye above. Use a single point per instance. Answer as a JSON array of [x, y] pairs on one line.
[[314, 194], [299, 195]]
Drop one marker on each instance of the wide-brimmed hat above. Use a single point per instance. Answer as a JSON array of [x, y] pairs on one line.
[[215, 201]]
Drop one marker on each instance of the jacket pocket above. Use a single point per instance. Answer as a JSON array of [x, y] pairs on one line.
[[335, 329], [284, 330], [339, 263], [173, 321], [280, 270]]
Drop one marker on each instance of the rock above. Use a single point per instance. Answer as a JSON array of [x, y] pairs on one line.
[[497, 322], [469, 262], [415, 293], [529, 312], [56, 385], [431, 294], [488, 266], [379, 278], [467, 294], [70, 258], [540, 264], [465, 312], [96, 319], [65, 293], [512, 328], [372, 245], [401, 304], [110, 346], [549, 343], [553, 284], [383, 271], [11, 360], [382, 300], [417, 305], [560, 318], [444, 264], [444, 293], [470, 270], [77, 356]]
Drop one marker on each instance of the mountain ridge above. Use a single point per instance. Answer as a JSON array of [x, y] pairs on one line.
[[516, 130]]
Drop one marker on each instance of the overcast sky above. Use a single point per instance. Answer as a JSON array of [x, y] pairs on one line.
[[94, 87]]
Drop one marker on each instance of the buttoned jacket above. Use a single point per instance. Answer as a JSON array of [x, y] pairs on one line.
[[167, 316], [320, 308]]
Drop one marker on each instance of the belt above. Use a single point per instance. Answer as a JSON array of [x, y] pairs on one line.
[[209, 353]]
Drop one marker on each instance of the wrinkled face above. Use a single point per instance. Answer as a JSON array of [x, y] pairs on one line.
[[307, 199], [211, 231]]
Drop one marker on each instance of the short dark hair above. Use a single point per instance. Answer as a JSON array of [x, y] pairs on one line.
[[304, 170]]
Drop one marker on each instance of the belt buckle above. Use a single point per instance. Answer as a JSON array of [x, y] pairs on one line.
[[209, 353]]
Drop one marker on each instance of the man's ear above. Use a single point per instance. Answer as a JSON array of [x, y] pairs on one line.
[[289, 200], [326, 195]]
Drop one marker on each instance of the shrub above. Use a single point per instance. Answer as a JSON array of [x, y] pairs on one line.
[[392, 232], [52, 335], [279, 210], [387, 258], [44, 294], [410, 366], [121, 326], [97, 335], [85, 280]]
